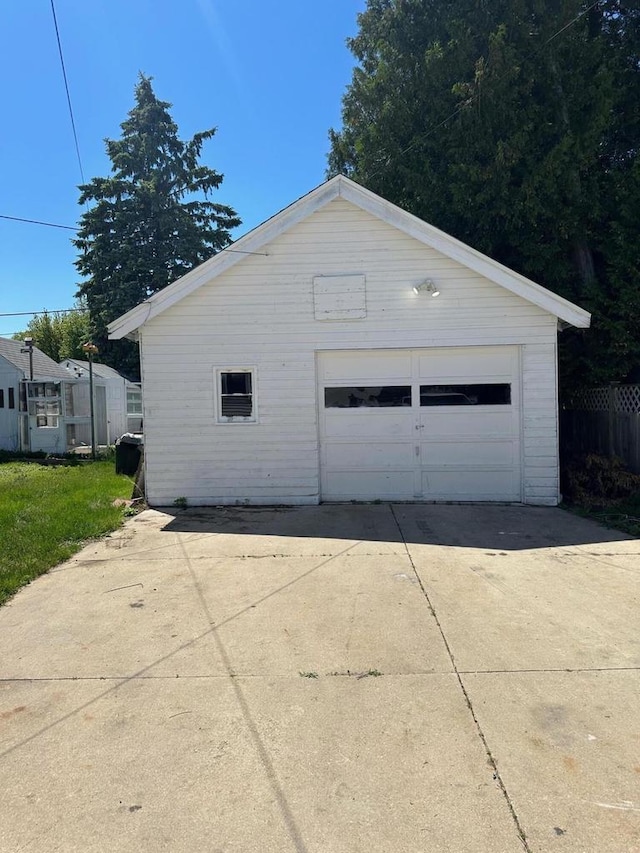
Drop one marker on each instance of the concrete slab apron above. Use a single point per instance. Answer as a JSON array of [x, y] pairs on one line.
[[540, 612], [186, 725]]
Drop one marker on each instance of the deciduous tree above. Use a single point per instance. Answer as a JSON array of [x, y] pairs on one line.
[[59, 335]]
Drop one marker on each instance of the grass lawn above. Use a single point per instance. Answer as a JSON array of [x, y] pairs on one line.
[[624, 515], [46, 514]]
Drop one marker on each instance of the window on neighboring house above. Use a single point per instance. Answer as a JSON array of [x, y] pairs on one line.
[[134, 402], [12, 398], [47, 414], [1, 398], [44, 404], [236, 396]]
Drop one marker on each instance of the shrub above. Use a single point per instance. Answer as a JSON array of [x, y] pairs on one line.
[[593, 481]]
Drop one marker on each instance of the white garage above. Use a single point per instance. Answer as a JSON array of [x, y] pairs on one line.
[[347, 351], [422, 424]]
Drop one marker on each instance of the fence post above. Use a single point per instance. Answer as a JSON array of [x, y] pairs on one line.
[[613, 388]]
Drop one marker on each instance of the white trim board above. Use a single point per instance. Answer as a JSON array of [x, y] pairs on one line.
[[342, 187]]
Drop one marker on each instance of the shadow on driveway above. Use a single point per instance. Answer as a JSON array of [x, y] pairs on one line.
[[489, 527]]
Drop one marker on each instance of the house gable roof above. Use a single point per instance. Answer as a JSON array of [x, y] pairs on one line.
[[103, 371], [342, 187], [43, 366]]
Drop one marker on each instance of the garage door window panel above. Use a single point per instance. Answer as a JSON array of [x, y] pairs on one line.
[[486, 394], [352, 397]]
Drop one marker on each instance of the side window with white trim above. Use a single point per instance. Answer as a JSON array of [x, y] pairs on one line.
[[236, 401]]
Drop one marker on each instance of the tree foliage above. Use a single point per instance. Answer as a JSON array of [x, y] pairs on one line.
[[151, 221], [59, 335], [513, 125]]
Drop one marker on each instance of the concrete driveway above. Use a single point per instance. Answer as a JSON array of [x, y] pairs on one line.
[[333, 679]]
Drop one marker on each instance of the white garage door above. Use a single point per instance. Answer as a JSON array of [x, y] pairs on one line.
[[428, 424]]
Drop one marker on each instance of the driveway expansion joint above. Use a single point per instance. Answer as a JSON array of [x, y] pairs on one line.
[[564, 669], [492, 761]]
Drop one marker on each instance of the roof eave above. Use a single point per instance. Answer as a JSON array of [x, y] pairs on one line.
[[251, 243], [466, 255]]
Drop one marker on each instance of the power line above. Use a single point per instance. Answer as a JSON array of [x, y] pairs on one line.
[[45, 311], [470, 100], [74, 228], [66, 86], [38, 222]]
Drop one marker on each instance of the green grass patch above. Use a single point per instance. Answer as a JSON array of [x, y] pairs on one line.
[[624, 515], [47, 513]]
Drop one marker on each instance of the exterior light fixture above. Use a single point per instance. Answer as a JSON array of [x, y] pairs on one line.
[[426, 286]]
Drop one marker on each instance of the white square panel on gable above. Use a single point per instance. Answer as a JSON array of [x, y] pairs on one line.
[[339, 297]]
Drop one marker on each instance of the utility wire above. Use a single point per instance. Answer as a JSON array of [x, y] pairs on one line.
[[66, 86], [390, 159], [75, 228], [38, 222], [45, 311]]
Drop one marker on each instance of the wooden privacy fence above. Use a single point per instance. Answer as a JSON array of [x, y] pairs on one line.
[[604, 421]]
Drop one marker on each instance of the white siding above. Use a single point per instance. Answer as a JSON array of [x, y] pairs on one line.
[[540, 423], [261, 312], [116, 408], [9, 420]]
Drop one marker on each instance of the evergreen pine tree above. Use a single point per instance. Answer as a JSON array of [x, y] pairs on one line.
[[151, 221], [514, 125]]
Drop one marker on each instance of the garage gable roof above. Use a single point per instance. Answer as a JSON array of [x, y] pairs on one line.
[[342, 187]]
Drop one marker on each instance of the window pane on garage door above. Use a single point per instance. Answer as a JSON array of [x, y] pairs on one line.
[[488, 394], [386, 396]]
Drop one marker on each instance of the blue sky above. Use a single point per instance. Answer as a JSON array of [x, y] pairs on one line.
[[269, 74]]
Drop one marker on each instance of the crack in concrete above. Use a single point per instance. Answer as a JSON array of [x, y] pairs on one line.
[[121, 682], [492, 761], [37, 679], [260, 746]]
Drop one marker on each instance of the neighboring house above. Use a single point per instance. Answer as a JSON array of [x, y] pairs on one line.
[[52, 413], [31, 412], [312, 363], [123, 399]]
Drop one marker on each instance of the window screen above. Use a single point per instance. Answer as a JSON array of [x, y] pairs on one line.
[[385, 396], [489, 394], [236, 394]]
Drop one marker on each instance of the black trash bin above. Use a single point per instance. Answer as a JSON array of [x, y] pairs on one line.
[[128, 449]]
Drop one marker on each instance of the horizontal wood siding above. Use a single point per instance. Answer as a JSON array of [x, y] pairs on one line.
[[261, 313], [116, 408], [540, 423], [9, 419]]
